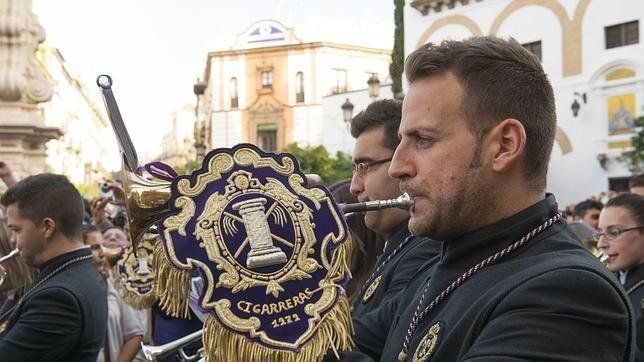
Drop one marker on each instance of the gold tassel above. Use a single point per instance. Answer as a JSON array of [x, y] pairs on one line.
[[171, 285], [333, 333]]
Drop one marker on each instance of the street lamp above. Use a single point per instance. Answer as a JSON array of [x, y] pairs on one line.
[[199, 89], [347, 111], [575, 106], [374, 86]]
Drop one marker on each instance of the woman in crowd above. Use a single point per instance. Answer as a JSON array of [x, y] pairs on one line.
[[621, 240], [19, 275], [125, 325]]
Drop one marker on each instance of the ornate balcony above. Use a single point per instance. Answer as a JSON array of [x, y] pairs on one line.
[[425, 6]]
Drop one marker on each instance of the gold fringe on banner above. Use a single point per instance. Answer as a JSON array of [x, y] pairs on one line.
[[171, 285], [332, 334]]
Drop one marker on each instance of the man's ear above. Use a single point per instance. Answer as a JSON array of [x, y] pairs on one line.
[[49, 227], [509, 139]]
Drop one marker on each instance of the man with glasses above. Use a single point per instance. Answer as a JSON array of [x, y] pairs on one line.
[[375, 130]]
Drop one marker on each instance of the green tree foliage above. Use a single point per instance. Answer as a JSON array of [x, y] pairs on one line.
[[187, 168], [397, 65], [318, 160], [635, 158]]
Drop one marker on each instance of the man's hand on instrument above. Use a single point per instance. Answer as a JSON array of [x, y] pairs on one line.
[[7, 175], [119, 193], [97, 208]]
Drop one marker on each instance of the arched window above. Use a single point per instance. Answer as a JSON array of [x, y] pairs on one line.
[[299, 87], [234, 97]]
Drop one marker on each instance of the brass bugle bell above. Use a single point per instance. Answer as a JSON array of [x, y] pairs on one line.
[[402, 202], [146, 202], [153, 353]]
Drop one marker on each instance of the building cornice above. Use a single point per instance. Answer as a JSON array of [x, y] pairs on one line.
[[286, 48], [425, 6]]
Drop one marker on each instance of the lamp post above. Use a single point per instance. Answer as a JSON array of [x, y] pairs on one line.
[[575, 106], [347, 111], [374, 86], [200, 130]]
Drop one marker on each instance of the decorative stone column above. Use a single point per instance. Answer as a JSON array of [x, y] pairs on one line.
[[23, 86]]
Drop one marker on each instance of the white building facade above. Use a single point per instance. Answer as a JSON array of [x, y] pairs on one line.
[[593, 55], [85, 152], [268, 89], [178, 145]]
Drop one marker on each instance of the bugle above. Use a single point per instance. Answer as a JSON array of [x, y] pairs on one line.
[[153, 353]]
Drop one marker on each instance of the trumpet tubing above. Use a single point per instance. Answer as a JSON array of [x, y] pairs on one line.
[[3, 271], [152, 353]]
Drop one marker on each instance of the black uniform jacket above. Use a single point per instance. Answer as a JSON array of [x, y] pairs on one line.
[[395, 274], [394, 277], [64, 319], [549, 300], [635, 288]]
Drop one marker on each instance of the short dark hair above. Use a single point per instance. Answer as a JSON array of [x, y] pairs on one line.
[[582, 207], [382, 113], [500, 80], [48, 195], [87, 229], [634, 203], [636, 181]]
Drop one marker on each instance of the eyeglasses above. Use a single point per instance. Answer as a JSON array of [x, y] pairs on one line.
[[361, 168], [613, 233]]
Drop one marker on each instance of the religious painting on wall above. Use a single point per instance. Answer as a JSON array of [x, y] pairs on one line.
[[621, 114]]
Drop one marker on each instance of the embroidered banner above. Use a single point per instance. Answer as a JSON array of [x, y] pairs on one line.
[[272, 253]]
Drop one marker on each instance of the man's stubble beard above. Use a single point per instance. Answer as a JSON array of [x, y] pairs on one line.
[[462, 210]]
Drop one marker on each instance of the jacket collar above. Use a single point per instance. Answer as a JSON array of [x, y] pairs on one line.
[[634, 276], [53, 263], [466, 250]]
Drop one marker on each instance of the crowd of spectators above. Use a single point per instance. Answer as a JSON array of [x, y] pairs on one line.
[[105, 230]]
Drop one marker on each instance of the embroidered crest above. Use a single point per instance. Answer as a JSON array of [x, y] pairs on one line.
[[371, 289], [133, 274], [271, 252], [427, 344]]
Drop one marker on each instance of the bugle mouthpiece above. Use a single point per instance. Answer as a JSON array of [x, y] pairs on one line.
[[402, 202]]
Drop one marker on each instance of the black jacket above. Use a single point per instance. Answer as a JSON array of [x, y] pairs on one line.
[[635, 288], [64, 319], [393, 279], [548, 300]]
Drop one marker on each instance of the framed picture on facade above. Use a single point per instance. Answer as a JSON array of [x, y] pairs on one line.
[[621, 114]]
